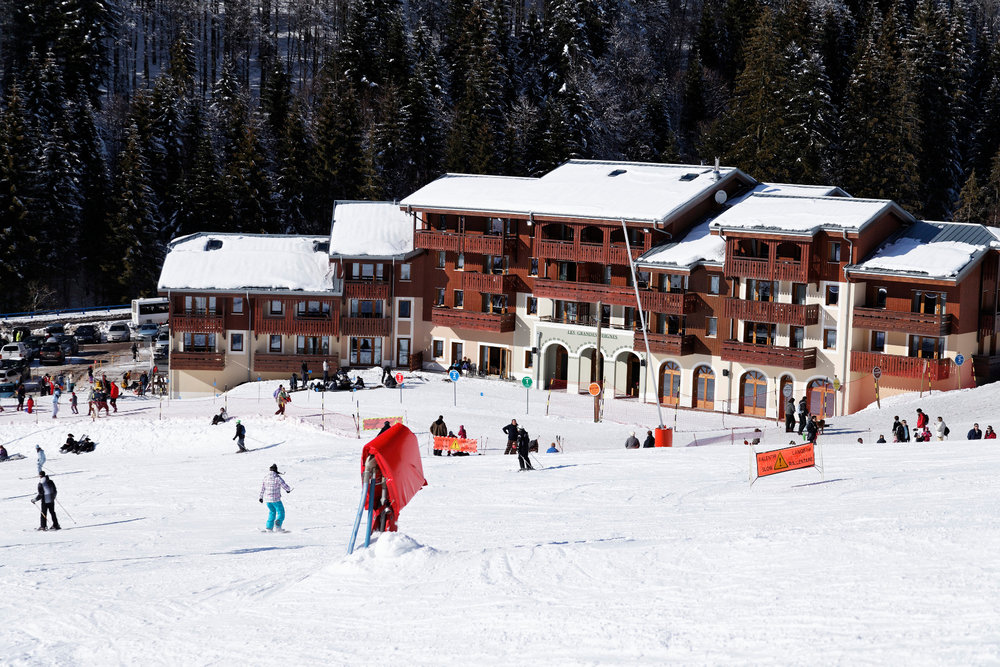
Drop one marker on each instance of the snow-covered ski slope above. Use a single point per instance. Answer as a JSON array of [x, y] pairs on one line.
[[606, 556]]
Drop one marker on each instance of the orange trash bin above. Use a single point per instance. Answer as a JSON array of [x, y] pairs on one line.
[[663, 437]]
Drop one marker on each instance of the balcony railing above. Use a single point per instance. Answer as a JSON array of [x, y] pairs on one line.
[[566, 290], [488, 244], [771, 311], [673, 344], [798, 358], [764, 269], [429, 239], [488, 283], [207, 322], [667, 303], [558, 250], [197, 361], [287, 324], [988, 324], [923, 324], [366, 289], [469, 319], [292, 363], [366, 326], [584, 252], [897, 365]]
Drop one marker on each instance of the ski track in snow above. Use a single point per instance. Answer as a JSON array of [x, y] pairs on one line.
[[607, 556]]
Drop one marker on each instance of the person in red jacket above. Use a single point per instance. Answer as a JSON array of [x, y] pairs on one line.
[[113, 394], [922, 418], [990, 434]]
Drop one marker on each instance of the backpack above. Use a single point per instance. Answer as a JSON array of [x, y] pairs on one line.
[[947, 430]]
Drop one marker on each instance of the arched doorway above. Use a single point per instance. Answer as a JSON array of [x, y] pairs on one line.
[[704, 388], [628, 372], [821, 395], [786, 381], [670, 384], [589, 371], [753, 394], [554, 372]]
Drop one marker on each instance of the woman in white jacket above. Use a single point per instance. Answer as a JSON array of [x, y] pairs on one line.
[[940, 429]]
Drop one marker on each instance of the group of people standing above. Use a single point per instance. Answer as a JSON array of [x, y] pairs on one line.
[[808, 423], [925, 431]]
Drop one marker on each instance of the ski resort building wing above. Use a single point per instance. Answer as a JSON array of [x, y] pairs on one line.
[[750, 292]]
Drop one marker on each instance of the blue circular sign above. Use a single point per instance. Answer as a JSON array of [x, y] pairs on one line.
[[454, 375], [960, 359]]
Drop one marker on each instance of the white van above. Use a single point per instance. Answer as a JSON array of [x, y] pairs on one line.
[[16, 351]]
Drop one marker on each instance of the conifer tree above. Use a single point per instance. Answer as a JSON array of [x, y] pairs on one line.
[[18, 174]]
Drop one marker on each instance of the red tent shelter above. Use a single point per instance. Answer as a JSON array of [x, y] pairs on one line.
[[397, 454]]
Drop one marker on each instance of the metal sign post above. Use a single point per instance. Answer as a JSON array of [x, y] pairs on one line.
[[877, 373], [399, 381], [454, 375], [526, 381]]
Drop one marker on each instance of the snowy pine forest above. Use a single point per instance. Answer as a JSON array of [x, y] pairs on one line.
[[126, 123]]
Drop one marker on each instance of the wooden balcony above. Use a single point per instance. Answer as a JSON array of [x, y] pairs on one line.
[[771, 311], [205, 323], [292, 363], [288, 324], [488, 244], [673, 344], [366, 326], [366, 289], [763, 269], [470, 319], [429, 239], [559, 250], [898, 366], [923, 324], [197, 361], [667, 303], [571, 251], [566, 290], [488, 283], [617, 254], [769, 355], [988, 324]]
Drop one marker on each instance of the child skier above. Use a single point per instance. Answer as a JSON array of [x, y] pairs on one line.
[[240, 434]]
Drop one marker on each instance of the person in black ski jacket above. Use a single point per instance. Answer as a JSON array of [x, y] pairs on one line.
[[812, 430], [511, 431], [47, 494], [241, 433], [803, 414], [385, 427], [523, 444], [789, 415], [439, 428], [650, 441]]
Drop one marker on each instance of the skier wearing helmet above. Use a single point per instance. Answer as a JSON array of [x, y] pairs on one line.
[[241, 432]]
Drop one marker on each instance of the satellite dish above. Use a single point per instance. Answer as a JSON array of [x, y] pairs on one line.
[[721, 197]]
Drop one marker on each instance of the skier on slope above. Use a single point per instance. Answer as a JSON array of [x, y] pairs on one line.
[[47, 494], [241, 433], [270, 491], [282, 398], [41, 457], [523, 445]]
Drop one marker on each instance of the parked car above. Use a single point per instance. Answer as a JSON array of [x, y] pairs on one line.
[[14, 370], [34, 344], [147, 331], [118, 333], [17, 351], [55, 329], [52, 354], [69, 343], [87, 333], [162, 346]]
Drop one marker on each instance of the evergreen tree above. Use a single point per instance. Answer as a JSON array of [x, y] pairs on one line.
[[18, 177], [810, 118], [338, 162], [693, 108]]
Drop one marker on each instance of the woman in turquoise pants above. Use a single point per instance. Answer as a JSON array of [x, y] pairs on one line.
[[270, 491]]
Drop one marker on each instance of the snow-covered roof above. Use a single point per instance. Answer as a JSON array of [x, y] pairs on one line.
[[793, 190], [698, 246], [803, 215], [577, 189], [207, 261], [939, 250], [371, 229]]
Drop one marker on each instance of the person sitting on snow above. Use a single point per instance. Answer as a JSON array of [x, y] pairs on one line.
[[220, 418], [3, 453], [552, 449]]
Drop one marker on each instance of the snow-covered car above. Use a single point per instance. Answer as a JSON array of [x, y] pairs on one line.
[[118, 333], [147, 331]]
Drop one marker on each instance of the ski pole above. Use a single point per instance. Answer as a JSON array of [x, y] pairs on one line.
[[535, 459], [64, 511]]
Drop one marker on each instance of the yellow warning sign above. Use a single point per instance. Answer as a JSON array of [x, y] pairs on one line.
[[780, 464]]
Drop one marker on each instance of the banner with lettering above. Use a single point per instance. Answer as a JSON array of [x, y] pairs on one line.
[[373, 423], [444, 443]]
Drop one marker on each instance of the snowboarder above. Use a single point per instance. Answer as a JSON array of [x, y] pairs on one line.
[[438, 428], [281, 396], [974, 433], [523, 445], [135, 352], [47, 494], [270, 491], [385, 427], [790, 415], [511, 431], [73, 403], [240, 434], [632, 442], [41, 457], [650, 441], [220, 418]]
